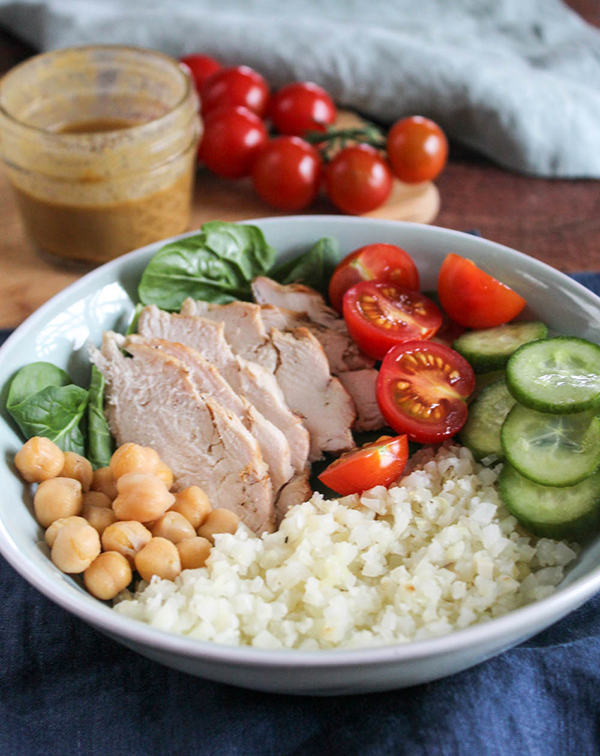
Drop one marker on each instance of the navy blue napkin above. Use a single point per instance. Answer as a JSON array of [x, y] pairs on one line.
[[66, 690]]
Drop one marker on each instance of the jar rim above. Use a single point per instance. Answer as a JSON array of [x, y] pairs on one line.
[[75, 138]]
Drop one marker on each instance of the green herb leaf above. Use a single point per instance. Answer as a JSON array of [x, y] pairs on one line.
[[33, 378], [54, 412], [132, 327], [217, 265], [100, 443], [313, 268]]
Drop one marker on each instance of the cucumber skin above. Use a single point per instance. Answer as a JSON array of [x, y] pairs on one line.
[[554, 409], [579, 529], [478, 452], [486, 363], [515, 460]]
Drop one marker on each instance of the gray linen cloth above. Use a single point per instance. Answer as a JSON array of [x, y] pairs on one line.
[[517, 80]]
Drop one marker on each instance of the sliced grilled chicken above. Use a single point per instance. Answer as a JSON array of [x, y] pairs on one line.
[[295, 492], [294, 305], [246, 378], [152, 401], [298, 362], [272, 442]]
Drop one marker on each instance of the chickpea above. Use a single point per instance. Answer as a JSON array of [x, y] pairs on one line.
[[96, 499], [158, 557], [132, 458], [126, 538], [164, 473], [39, 459], [79, 468], [219, 521], [109, 574], [75, 547], [193, 552], [173, 526], [141, 497], [52, 531], [99, 517], [104, 482], [56, 498], [193, 504]]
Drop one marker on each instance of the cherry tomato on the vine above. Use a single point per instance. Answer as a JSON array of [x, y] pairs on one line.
[[473, 298], [380, 314], [232, 138], [422, 390], [286, 173], [417, 149], [379, 463], [301, 107], [358, 179], [235, 85], [385, 262], [201, 67]]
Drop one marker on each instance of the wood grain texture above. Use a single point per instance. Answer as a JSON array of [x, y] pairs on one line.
[[553, 220]]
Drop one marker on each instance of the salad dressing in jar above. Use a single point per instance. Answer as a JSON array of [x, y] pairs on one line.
[[100, 147]]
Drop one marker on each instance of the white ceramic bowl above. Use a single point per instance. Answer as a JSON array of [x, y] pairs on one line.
[[57, 333]]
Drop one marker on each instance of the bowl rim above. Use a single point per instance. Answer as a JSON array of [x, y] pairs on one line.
[[523, 621]]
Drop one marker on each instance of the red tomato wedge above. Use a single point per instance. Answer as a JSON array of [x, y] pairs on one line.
[[379, 463], [385, 262], [474, 298], [379, 315], [422, 390]]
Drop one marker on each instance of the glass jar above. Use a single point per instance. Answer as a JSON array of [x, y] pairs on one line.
[[100, 146]]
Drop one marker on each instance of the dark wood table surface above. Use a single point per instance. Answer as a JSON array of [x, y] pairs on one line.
[[557, 221]]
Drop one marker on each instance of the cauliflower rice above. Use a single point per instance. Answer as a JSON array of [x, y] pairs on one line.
[[435, 553]]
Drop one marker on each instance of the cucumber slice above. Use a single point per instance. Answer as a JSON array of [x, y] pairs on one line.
[[484, 379], [481, 432], [490, 349], [559, 375], [552, 450], [560, 513]]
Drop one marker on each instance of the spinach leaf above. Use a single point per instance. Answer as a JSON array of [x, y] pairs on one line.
[[216, 265], [100, 442], [33, 378], [54, 412], [313, 268]]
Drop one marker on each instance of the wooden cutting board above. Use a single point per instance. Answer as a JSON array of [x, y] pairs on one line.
[[28, 278]]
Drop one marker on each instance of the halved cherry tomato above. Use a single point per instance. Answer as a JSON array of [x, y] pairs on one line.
[[474, 298], [379, 315], [201, 67], [385, 262], [422, 390], [379, 463]]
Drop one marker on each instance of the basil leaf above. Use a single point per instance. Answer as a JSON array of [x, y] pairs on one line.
[[54, 412], [33, 378], [216, 265], [100, 443], [313, 268]]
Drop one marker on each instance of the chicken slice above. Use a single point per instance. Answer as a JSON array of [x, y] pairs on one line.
[[272, 442], [312, 392], [298, 362], [246, 378], [295, 492], [152, 401], [307, 308]]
